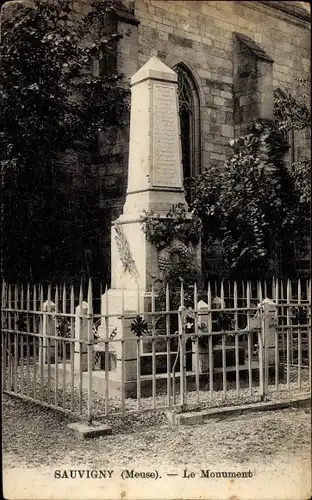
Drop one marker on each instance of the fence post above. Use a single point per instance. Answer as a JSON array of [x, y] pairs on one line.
[[268, 332], [182, 358], [48, 328], [81, 333], [4, 324], [90, 357], [200, 353]]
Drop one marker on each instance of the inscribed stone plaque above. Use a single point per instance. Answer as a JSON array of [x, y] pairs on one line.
[[166, 155]]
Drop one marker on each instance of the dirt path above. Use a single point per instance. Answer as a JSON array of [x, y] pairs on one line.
[[274, 446]]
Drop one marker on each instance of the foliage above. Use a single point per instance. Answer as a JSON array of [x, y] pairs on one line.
[[253, 208], [175, 225], [184, 272], [301, 315], [247, 203], [293, 112], [51, 106], [302, 182]]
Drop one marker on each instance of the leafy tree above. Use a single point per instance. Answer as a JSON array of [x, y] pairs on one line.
[[296, 115], [296, 109], [52, 106], [254, 205]]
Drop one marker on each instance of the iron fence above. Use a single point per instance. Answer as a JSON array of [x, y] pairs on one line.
[[228, 344]]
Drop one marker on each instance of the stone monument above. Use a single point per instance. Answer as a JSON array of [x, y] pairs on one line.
[[155, 182], [154, 174]]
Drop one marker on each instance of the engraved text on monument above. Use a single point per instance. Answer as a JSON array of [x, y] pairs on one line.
[[165, 137]]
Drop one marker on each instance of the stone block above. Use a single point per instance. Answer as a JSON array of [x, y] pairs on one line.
[[219, 101], [163, 35], [215, 92], [203, 73], [184, 42], [228, 131], [226, 94], [199, 417], [227, 79], [89, 431], [215, 156]]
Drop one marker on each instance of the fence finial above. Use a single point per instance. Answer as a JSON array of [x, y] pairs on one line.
[[16, 296], [64, 299], [22, 296], [273, 287], [276, 291], [195, 296], [235, 294], [248, 293], [49, 297], [56, 298], [41, 296], [28, 297], [167, 297], [80, 296], [299, 291], [90, 303], [182, 293], [222, 296], [288, 291], [72, 300], [3, 294], [209, 295]]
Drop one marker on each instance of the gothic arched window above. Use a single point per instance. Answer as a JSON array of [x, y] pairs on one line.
[[281, 116], [189, 121]]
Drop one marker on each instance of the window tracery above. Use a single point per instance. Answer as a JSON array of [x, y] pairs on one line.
[[189, 110]]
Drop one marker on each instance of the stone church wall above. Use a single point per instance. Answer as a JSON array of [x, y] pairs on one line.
[[200, 34]]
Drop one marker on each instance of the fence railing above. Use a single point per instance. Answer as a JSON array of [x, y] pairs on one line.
[[230, 344]]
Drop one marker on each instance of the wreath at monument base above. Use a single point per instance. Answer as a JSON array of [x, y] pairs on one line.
[[175, 237], [175, 252], [176, 225]]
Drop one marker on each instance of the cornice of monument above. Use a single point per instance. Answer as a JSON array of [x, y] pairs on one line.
[[156, 70]]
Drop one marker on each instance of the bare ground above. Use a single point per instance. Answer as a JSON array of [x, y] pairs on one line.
[[34, 436], [275, 446]]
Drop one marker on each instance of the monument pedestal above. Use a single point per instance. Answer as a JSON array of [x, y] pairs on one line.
[[117, 303]]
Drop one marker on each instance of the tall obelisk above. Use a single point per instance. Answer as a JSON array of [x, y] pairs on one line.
[[155, 177]]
